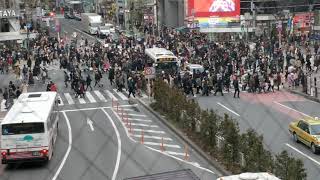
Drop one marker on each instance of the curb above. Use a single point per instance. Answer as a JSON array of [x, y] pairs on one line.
[[304, 95], [204, 155]]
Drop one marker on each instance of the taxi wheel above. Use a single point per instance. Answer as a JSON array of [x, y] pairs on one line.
[[313, 148], [295, 138]]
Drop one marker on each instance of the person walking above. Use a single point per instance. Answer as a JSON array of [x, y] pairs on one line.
[[236, 88], [219, 87], [131, 87], [88, 82], [66, 79]]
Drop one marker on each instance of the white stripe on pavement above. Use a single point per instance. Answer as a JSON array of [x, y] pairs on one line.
[[175, 153], [141, 120], [144, 125], [150, 131], [291, 109], [152, 137], [140, 115], [123, 97], [100, 96], [111, 95], [228, 109], [61, 102], [127, 109], [3, 105], [159, 144], [69, 98], [90, 97], [303, 154], [81, 100]]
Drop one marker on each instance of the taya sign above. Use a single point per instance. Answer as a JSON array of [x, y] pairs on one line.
[[7, 13]]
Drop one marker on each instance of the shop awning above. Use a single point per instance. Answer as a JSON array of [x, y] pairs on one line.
[[11, 36]]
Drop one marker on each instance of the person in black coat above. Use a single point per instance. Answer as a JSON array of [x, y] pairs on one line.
[[236, 88]]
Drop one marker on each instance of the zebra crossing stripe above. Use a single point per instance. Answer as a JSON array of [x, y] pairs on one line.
[[123, 97], [90, 97], [100, 96], [81, 100], [111, 95], [61, 102], [3, 105], [69, 98]]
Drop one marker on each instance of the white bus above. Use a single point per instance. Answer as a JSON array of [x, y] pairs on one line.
[[163, 60], [29, 129]]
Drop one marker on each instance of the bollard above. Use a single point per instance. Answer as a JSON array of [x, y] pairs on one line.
[[162, 147], [142, 137], [186, 155]]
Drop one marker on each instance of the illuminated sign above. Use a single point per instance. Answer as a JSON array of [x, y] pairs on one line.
[[216, 8], [7, 13]]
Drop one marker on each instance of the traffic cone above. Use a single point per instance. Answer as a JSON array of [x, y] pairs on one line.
[[142, 137], [162, 147], [186, 155]]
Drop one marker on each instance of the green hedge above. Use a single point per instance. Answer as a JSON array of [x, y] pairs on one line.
[[220, 136]]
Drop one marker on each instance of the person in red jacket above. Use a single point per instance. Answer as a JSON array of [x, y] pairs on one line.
[[53, 87]]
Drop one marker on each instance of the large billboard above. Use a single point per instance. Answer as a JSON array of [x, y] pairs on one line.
[[214, 8]]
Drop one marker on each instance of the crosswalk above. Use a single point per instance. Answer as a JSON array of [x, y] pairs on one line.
[[96, 96]]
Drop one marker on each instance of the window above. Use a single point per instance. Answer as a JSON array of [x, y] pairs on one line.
[[315, 129], [34, 95], [304, 126], [22, 128]]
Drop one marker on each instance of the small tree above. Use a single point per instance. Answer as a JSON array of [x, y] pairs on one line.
[[209, 128]]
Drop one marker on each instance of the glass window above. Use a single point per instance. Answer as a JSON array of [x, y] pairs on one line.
[[315, 129], [22, 128]]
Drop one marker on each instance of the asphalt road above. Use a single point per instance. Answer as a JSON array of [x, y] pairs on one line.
[[95, 142], [270, 114]]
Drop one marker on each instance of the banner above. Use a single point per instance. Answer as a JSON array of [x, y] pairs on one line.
[[217, 8]]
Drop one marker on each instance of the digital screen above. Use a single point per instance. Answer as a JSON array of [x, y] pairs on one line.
[[217, 8]]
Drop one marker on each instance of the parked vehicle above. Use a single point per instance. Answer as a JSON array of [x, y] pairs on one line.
[[91, 22]]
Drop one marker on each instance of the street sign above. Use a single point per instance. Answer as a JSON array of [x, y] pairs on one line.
[[149, 72]]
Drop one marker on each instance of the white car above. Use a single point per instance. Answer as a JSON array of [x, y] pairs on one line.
[[103, 31], [250, 176]]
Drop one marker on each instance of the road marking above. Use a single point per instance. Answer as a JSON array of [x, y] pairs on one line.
[[69, 98], [61, 102], [140, 115], [111, 95], [292, 109], [114, 176], [127, 109], [228, 109], [68, 150], [310, 158], [159, 144], [100, 96], [144, 125], [147, 130], [87, 109], [175, 153], [90, 97], [144, 95], [81, 100], [140, 120], [90, 123], [123, 97], [152, 137], [3, 105]]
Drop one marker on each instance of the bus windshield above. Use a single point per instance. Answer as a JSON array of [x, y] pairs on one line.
[[170, 67], [22, 128]]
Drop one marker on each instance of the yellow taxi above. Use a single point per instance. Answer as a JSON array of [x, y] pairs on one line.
[[307, 131]]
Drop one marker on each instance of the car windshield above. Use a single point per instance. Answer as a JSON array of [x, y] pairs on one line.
[[315, 129]]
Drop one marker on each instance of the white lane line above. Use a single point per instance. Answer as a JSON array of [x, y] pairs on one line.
[[90, 123], [140, 120], [175, 153], [159, 144], [111, 95], [81, 100], [69, 98], [303, 154], [144, 125], [128, 109], [228, 109], [291, 109], [122, 96], [114, 176], [68, 150], [140, 115], [61, 102], [147, 130], [100, 96], [152, 137], [90, 97]]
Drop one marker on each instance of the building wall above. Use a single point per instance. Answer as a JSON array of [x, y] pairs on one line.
[[171, 13]]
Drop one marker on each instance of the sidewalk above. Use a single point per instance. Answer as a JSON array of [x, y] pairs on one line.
[[299, 91]]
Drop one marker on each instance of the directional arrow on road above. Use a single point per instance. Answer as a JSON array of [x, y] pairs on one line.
[[90, 123]]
